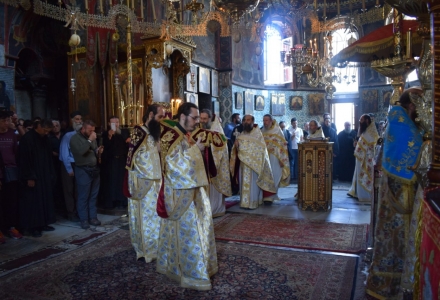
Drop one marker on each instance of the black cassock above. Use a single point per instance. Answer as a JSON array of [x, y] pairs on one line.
[[35, 162], [347, 161], [114, 158]]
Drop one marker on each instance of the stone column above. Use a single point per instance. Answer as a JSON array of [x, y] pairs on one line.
[[39, 97], [434, 170]]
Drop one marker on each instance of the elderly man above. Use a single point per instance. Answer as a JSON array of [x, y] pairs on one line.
[[85, 151], [315, 131], [250, 165], [144, 181], [220, 182], [67, 165], [362, 186], [346, 160], [278, 156], [187, 251]]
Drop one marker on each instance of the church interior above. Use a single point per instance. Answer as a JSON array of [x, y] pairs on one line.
[[288, 58]]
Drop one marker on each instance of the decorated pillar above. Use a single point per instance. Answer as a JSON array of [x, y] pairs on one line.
[[434, 169]]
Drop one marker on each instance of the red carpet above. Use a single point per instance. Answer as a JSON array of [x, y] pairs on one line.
[[282, 232], [107, 269]]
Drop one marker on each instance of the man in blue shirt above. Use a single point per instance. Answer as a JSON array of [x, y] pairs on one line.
[[67, 173], [229, 128]]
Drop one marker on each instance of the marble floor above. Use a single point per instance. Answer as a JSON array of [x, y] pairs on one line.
[[345, 210]]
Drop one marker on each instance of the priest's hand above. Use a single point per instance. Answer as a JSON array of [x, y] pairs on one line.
[[71, 174], [199, 144], [31, 183]]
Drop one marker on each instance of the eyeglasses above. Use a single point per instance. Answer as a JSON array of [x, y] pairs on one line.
[[194, 118]]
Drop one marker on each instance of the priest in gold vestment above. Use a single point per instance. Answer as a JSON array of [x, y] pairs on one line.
[[279, 158], [220, 182], [250, 165], [144, 181], [187, 252]]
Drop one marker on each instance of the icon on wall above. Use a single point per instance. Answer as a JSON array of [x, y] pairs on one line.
[[259, 102], [238, 100], [296, 102]]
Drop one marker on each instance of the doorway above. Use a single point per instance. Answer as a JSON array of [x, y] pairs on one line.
[[343, 112]]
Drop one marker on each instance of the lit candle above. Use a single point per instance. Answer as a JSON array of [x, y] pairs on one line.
[[316, 47], [408, 44], [311, 46], [142, 9]]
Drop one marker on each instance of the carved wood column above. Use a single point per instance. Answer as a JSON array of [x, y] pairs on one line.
[[434, 170]]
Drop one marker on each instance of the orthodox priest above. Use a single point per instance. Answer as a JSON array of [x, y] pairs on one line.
[[278, 156], [397, 208], [187, 251], [144, 181], [37, 176], [250, 165], [315, 131], [216, 147], [362, 186]]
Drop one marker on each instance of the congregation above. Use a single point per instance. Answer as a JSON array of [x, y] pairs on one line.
[[171, 174]]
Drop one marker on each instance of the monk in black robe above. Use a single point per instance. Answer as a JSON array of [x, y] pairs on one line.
[[115, 142], [346, 159], [37, 177]]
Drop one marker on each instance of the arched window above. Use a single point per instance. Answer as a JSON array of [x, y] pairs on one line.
[[275, 72], [346, 79]]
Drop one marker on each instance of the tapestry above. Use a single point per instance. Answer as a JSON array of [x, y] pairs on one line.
[[283, 232]]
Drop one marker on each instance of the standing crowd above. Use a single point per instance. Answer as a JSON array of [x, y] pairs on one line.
[[173, 175]]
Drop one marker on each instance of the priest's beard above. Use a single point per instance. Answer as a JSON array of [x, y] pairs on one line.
[[154, 127], [247, 127], [348, 130], [206, 125], [118, 131], [362, 127], [77, 126]]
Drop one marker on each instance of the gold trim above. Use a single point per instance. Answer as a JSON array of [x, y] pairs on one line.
[[77, 51]]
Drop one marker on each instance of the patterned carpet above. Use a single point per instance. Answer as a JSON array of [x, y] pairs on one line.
[[107, 269], [282, 232]]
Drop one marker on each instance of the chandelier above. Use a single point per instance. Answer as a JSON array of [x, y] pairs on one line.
[[236, 9], [306, 60]]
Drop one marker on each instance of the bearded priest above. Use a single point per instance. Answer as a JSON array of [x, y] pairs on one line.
[[362, 186], [279, 158], [187, 252], [143, 184], [250, 165], [216, 148]]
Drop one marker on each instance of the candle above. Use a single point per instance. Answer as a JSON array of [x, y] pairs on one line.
[[87, 5], [132, 4], [311, 46], [142, 9], [325, 47], [316, 48], [110, 3], [325, 9], [339, 8], [154, 10], [408, 44], [101, 7]]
